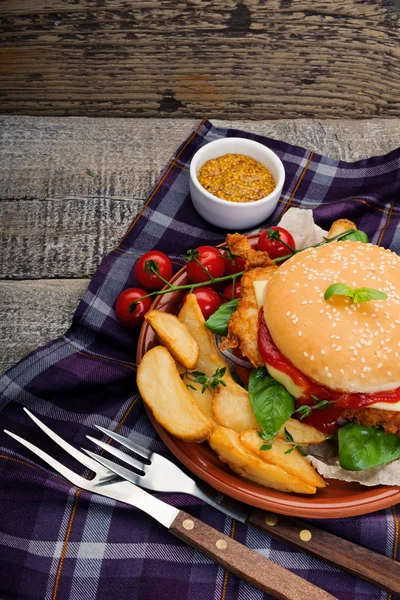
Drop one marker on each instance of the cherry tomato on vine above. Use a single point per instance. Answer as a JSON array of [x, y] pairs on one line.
[[146, 267], [233, 264], [208, 300], [210, 258], [270, 241], [133, 319], [227, 293]]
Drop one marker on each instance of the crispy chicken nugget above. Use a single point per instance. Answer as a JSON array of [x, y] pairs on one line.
[[239, 245]]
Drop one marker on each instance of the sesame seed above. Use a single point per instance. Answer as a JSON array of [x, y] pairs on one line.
[[389, 373], [380, 365], [323, 351], [299, 333], [338, 349], [305, 354]]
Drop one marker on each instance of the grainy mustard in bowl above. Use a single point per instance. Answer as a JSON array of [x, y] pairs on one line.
[[236, 178], [235, 183]]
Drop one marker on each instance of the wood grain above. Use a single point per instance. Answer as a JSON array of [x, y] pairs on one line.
[[357, 560], [34, 312], [247, 564], [233, 58]]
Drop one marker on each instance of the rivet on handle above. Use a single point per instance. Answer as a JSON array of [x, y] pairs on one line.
[[271, 520], [305, 535], [188, 524], [221, 544]]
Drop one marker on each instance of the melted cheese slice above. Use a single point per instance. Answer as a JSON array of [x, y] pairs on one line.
[[259, 289]]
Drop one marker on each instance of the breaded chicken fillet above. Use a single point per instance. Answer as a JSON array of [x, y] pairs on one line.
[[243, 324]]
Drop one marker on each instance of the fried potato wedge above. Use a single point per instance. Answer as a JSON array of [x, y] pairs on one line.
[[226, 443], [340, 226], [209, 359], [232, 408], [167, 396], [293, 463], [175, 336], [302, 433]]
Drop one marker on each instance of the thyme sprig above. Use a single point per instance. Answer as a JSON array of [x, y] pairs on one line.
[[267, 445], [306, 409], [207, 382]]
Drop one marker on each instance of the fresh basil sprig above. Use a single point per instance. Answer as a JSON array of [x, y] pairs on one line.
[[358, 295], [356, 236], [271, 402], [218, 322], [364, 447]]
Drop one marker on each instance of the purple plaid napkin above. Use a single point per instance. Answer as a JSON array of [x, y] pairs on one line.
[[57, 542]]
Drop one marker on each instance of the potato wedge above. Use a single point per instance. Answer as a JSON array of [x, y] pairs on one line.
[[340, 226], [302, 433], [226, 443], [293, 463], [167, 396], [232, 408], [175, 336], [209, 358]]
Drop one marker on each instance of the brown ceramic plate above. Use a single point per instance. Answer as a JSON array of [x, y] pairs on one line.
[[338, 499]]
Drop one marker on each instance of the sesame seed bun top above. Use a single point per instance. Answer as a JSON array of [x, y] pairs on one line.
[[337, 343]]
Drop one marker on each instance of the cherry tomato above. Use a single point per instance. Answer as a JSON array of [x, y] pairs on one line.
[[211, 259], [208, 300], [133, 319], [149, 280], [234, 264], [272, 245], [227, 293]]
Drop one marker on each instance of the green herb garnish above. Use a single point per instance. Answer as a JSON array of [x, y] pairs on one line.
[[218, 322], [207, 382], [271, 402], [364, 447], [358, 295]]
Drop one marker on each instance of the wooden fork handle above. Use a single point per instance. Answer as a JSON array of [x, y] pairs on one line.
[[361, 562], [245, 563]]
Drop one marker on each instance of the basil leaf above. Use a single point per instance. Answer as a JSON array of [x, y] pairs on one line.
[[218, 322], [338, 289], [367, 294], [356, 236], [271, 402], [364, 447]]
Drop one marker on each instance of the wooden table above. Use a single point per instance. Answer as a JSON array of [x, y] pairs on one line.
[[69, 188], [243, 59]]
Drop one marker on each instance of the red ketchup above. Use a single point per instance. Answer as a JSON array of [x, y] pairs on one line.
[[325, 419]]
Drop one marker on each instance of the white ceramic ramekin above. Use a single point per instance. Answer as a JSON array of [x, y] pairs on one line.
[[235, 215]]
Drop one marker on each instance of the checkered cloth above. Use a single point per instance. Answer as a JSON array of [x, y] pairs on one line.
[[58, 542]]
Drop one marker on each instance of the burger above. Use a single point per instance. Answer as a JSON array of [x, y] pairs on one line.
[[329, 332]]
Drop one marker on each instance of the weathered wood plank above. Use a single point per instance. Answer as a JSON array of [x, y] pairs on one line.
[[58, 221], [34, 312], [234, 58]]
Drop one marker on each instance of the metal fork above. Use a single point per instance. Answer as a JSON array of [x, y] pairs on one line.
[[240, 560], [161, 475]]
